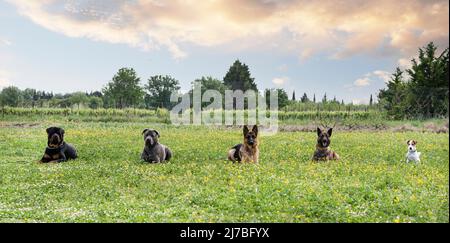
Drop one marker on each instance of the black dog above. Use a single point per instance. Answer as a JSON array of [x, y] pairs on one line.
[[154, 152], [57, 150]]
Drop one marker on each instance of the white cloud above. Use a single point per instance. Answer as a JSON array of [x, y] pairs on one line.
[[280, 81], [361, 82], [406, 63], [368, 78], [304, 28], [306, 54], [5, 42], [383, 75]]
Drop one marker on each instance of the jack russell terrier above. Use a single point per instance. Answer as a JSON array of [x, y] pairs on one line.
[[412, 154]]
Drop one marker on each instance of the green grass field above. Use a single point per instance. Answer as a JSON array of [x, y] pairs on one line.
[[109, 183]]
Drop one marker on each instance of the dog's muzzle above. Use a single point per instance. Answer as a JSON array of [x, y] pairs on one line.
[[55, 140], [149, 141]]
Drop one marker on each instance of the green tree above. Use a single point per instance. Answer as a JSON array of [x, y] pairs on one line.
[[11, 96], [30, 97], [325, 99], [371, 100], [283, 98], [78, 98], [335, 100], [429, 82], [209, 83], [124, 90], [60, 102], [159, 89], [393, 97], [239, 77], [426, 92], [304, 98], [293, 96], [95, 102]]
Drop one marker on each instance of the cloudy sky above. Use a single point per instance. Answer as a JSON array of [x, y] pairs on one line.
[[345, 48]]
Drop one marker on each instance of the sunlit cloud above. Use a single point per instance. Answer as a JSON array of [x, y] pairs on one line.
[[361, 82], [371, 77], [383, 75], [297, 27], [280, 81]]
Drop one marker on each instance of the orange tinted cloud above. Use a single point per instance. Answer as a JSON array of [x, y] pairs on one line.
[[302, 28]]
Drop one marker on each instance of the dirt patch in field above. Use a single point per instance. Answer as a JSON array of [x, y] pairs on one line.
[[427, 127], [313, 128], [431, 127], [18, 125]]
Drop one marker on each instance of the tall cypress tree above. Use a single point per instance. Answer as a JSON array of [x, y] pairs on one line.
[[325, 99], [305, 98], [239, 77]]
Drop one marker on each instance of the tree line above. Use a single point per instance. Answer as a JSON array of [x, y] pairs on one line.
[[420, 91], [125, 91]]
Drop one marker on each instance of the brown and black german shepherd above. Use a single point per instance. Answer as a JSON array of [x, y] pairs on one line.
[[248, 152], [323, 152]]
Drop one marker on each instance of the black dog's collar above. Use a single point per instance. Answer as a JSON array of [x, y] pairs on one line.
[[61, 147]]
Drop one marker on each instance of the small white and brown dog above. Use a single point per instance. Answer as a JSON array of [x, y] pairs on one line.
[[412, 154]]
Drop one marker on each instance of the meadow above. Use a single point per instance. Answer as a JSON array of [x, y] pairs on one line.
[[109, 183]]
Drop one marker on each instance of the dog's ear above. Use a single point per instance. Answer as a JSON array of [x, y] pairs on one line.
[[157, 133], [414, 142], [52, 130], [319, 131], [145, 130], [330, 132], [61, 131], [407, 142], [246, 130], [255, 130]]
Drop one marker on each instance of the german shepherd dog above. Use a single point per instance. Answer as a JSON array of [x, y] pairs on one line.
[[248, 152], [323, 152], [57, 150]]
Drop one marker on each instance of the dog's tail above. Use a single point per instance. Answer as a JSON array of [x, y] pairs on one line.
[[168, 154], [234, 154]]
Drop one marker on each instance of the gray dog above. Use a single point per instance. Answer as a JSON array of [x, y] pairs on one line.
[[154, 152]]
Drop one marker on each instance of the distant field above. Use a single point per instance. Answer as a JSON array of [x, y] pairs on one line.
[[109, 183], [288, 120]]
